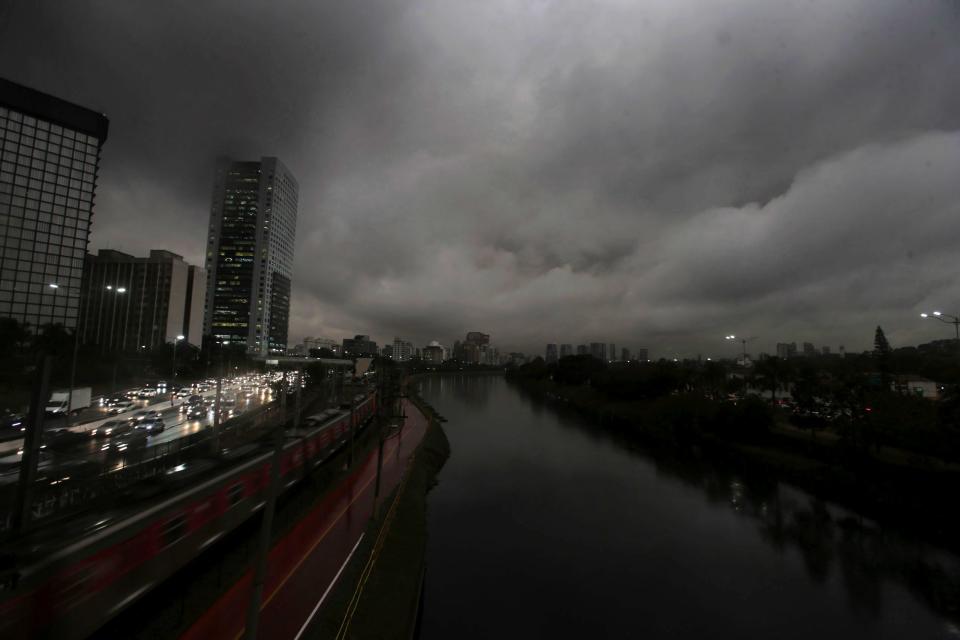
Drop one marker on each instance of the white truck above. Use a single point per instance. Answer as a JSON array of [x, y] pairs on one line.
[[57, 405]]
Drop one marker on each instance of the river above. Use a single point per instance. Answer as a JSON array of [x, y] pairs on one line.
[[545, 526]]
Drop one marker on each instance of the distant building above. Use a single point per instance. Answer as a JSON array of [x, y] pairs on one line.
[[402, 350], [253, 220], [387, 351], [809, 350], [433, 354], [842, 351], [50, 152], [516, 358], [642, 355], [611, 352], [598, 350], [360, 346], [825, 351], [566, 350], [135, 304], [916, 386], [625, 355], [475, 348], [551, 355], [583, 350], [783, 350]]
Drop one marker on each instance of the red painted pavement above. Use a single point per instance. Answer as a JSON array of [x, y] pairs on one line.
[[304, 562]]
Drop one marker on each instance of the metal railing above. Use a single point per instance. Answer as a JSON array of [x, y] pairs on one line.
[[58, 498]]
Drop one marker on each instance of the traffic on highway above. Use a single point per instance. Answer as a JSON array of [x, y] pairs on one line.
[[117, 425]]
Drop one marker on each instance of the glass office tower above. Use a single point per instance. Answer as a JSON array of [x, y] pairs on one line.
[[253, 220], [49, 156]]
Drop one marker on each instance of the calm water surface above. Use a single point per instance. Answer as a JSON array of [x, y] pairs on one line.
[[543, 526]]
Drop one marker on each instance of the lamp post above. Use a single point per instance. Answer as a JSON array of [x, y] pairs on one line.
[[73, 358], [173, 373], [744, 342], [946, 318]]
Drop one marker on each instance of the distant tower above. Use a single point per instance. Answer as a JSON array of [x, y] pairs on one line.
[[551, 355], [253, 223]]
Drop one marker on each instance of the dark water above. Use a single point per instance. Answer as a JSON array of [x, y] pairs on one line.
[[544, 527]]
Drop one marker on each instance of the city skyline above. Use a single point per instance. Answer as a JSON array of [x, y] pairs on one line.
[[479, 212]]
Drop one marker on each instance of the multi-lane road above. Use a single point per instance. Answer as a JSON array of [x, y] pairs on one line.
[[238, 395]]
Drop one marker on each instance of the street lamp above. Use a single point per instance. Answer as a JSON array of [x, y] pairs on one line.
[[173, 374], [946, 318], [73, 360]]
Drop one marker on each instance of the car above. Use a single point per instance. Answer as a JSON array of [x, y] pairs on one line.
[[115, 446], [145, 414], [13, 423], [64, 439], [151, 425], [121, 407], [197, 412], [114, 400], [112, 428]]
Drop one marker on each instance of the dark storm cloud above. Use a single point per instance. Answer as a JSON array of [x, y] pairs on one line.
[[651, 173]]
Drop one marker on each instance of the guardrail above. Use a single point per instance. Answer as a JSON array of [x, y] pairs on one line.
[[62, 498]]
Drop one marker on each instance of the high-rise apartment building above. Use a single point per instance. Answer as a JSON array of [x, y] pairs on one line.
[[133, 304], [598, 350], [402, 350], [49, 157], [566, 350], [611, 352], [625, 355], [253, 221], [642, 355], [551, 353]]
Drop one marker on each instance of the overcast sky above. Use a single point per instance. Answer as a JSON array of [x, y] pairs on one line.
[[651, 173]]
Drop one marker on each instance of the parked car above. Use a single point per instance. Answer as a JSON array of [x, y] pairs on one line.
[[112, 428]]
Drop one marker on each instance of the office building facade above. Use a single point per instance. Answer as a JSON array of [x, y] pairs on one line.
[[49, 159], [137, 304], [253, 220]]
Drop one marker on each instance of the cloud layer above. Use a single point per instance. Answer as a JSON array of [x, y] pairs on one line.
[[647, 173]]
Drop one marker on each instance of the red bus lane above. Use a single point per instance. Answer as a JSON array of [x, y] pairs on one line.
[[305, 563]]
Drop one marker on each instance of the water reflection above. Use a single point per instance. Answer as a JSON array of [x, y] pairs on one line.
[[566, 474]]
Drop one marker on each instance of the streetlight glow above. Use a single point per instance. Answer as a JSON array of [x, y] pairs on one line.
[[54, 285], [121, 290], [937, 313], [923, 315], [109, 287], [179, 337]]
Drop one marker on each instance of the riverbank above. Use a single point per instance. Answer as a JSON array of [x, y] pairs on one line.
[[378, 594], [901, 490]]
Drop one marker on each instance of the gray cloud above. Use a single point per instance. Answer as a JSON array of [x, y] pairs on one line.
[[651, 173]]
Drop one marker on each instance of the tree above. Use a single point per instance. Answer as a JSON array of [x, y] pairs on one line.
[[771, 373], [13, 336], [881, 349]]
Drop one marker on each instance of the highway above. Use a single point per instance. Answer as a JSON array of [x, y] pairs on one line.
[[176, 424], [305, 564]]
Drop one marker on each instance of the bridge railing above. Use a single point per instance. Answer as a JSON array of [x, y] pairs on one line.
[[61, 498]]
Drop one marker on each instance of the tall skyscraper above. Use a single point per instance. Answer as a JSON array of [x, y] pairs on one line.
[[598, 350], [253, 221], [551, 354], [133, 304], [566, 350], [49, 157]]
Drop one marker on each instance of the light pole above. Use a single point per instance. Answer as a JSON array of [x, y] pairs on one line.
[[946, 318], [173, 374], [116, 291], [73, 358], [744, 342]]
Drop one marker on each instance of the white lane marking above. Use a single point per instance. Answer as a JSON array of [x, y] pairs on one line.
[[329, 587]]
